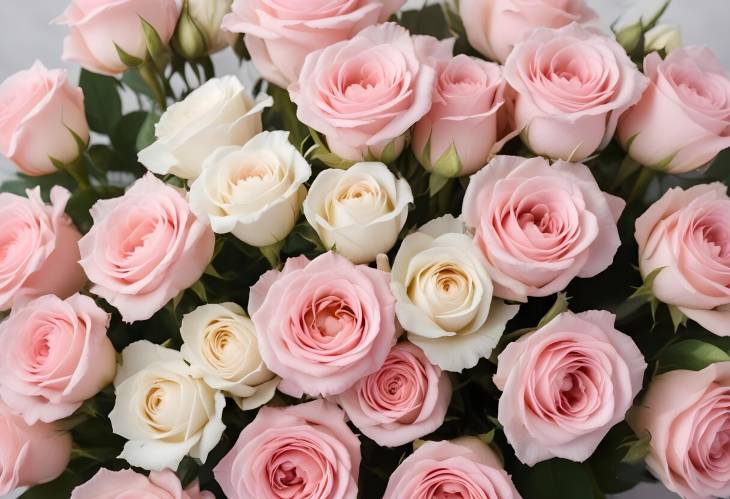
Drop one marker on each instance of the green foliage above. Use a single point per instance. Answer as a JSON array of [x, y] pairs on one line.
[[557, 479], [692, 354], [101, 100]]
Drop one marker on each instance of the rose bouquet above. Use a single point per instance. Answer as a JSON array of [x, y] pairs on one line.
[[476, 250]]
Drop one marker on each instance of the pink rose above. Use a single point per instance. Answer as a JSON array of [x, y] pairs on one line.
[[38, 248], [540, 226], [30, 455], [687, 414], [494, 27], [405, 399], [364, 94], [323, 324], [687, 235], [572, 85], [144, 248], [280, 33], [690, 91], [108, 484], [42, 111], [464, 468], [56, 355], [98, 27], [565, 385], [304, 450]]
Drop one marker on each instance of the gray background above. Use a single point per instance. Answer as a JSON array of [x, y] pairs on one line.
[[25, 36]]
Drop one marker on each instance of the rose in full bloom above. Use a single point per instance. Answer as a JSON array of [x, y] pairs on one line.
[[690, 90], [144, 248], [494, 27], [221, 346], [255, 191], [405, 399], [686, 234], [444, 296], [539, 226], [55, 356], [305, 450], [358, 212], [42, 111], [98, 27], [38, 248], [163, 409], [687, 414], [572, 86], [462, 468], [280, 33], [365, 93], [565, 385], [323, 324], [217, 114], [106, 484], [30, 455]]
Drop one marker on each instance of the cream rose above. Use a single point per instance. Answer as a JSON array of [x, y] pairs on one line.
[[360, 211]]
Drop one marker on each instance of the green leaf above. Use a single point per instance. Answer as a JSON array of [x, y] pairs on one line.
[[557, 479], [430, 20], [321, 152], [691, 354], [436, 182], [133, 80], [449, 164], [678, 317], [146, 135], [199, 289], [124, 137], [652, 22], [644, 294], [101, 100], [283, 104], [60, 487], [272, 253], [83, 199], [155, 47], [636, 450], [128, 59]]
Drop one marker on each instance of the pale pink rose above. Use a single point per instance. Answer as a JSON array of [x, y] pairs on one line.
[[539, 226], [687, 235], [279, 34], [365, 93], [687, 414], [38, 248], [55, 356], [565, 385], [494, 27], [683, 120], [98, 27], [144, 248], [305, 450], [323, 324], [405, 399], [463, 468], [572, 86], [128, 484], [30, 455], [42, 111]]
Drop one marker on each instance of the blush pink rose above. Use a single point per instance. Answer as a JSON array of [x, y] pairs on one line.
[[42, 111], [463, 468], [323, 324], [279, 34], [565, 385], [98, 27], [128, 484], [539, 226], [690, 91], [144, 248], [687, 414], [572, 86], [301, 451], [38, 248], [687, 235], [30, 455], [405, 399]]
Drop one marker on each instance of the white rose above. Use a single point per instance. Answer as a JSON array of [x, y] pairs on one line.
[[255, 191], [665, 37], [359, 211], [162, 409], [221, 346], [444, 296], [219, 113], [208, 15]]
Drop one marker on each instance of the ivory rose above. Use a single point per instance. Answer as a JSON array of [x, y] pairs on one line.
[[572, 86], [323, 324], [144, 248], [358, 212], [444, 296], [255, 191], [280, 33], [539, 226], [565, 385], [666, 37], [162, 409], [106, 484]]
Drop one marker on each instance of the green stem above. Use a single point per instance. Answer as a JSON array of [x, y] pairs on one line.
[[151, 78], [642, 183]]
